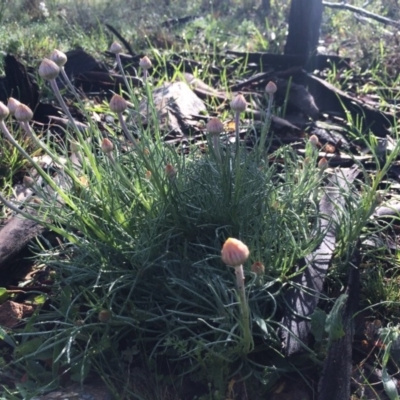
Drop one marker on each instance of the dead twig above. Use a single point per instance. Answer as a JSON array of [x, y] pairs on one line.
[[361, 11]]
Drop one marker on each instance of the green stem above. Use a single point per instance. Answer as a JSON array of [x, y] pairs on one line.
[[245, 312], [61, 101], [215, 145], [127, 132], [129, 183], [69, 83], [267, 124], [117, 56]]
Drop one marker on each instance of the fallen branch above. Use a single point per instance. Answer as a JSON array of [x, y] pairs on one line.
[[307, 287], [361, 11]]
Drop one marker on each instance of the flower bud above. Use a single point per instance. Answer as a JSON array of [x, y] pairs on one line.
[[271, 88], [28, 181], [313, 139], [58, 57], [104, 315], [148, 175], [107, 146], [145, 63], [4, 111], [12, 104], [238, 104], [48, 69], [214, 126], [170, 171], [234, 252], [115, 48], [323, 163], [118, 104], [23, 113], [258, 268]]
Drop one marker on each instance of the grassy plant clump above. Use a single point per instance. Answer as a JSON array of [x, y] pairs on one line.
[[138, 282], [138, 279]]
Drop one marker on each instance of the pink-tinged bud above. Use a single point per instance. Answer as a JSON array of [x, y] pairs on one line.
[[28, 181], [234, 252], [58, 57], [214, 126], [104, 315], [107, 146], [238, 104], [115, 48], [313, 139], [148, 175], [12, 104], [145, 63], [271, 88], [23, 113], [170, 171], [4, 111], [322, 163], [48, 69], [118, 104], [258, 268]]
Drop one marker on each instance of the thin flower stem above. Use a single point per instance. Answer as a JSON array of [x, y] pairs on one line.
[[129, 183], [215, 143], [38, 168], [265, 128], [244, 309], [61, 101], [121, 69], [237, 121], [69, 83], [126, 130]]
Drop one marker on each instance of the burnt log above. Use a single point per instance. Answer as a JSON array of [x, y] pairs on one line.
[[305, 19]]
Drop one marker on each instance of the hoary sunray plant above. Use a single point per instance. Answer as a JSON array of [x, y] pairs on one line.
[[138, 278]]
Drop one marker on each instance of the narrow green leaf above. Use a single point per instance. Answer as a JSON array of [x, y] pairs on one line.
[[3, 295], [6, 337], [334, 325], [318, 320], [389, 385]]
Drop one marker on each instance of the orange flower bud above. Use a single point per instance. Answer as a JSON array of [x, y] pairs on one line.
[[234, 252], [104, 315], [107, 146], [170, 171], [258, 268]]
